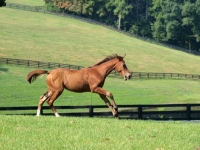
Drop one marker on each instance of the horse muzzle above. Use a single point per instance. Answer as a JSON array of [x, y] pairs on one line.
[[127, 77]]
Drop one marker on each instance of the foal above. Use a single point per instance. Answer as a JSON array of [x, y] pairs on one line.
[[90, 79]]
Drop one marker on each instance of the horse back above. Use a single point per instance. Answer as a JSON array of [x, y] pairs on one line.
[[72, 80]]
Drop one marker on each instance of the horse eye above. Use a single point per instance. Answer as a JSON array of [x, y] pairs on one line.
[[124, 65]]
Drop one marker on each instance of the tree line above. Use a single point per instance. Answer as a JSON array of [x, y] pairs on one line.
[[174, 22]]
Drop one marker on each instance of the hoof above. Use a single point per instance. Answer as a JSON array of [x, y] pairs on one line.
[[117, 117]]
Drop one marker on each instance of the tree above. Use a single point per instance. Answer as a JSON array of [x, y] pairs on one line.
[[103, 10], [80, 7], [138, 18], [167, 25], [121, 9], [190, 21], [177, 22]]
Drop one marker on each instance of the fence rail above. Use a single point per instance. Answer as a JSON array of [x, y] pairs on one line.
[[153, 112], [53, 65]]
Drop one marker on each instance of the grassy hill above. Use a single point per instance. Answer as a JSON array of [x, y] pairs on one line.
[[37, 36], [27, 2], [45, 37]]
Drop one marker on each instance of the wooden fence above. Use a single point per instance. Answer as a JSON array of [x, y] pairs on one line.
[[152, 112], [52, 65]]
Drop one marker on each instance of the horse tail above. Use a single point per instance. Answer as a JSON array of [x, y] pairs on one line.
[[31, 76]]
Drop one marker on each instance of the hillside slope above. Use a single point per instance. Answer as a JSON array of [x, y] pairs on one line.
[[45, 37]]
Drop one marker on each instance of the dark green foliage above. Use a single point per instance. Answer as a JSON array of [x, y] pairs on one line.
[[172, 21]]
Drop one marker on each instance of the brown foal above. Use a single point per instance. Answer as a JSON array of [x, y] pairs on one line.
[[89, 79]]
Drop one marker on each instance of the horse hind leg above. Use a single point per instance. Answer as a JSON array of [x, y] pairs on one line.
[[45, 97], [51, 100]]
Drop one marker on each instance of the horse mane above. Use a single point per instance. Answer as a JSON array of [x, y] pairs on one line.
[[108, 58]]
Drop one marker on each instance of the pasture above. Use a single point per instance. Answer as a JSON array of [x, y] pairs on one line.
[[44, 37], [28, 132], [17, 92], [28, 2]]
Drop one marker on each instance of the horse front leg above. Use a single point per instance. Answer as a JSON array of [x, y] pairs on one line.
[[103, 97], [103, 93]]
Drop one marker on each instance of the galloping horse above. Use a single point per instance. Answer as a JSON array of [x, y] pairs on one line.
[[89, 79]]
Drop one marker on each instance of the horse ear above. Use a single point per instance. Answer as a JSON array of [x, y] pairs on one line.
[[124, 56]]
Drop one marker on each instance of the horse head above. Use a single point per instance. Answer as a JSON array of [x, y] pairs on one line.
[[121, 67]]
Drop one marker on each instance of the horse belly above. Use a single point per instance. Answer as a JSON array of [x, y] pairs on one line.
[[77, 86]]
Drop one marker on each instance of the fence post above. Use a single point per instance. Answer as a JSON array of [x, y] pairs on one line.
[[28, 63], [41, 112], [90, 111], [49, 65], [7, 61], [188, 112], [131, 74], [139, 112], [38, 64]]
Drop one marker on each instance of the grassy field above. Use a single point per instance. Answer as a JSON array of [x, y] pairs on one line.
[[30, 133], [17, 92], [27, 2], [45, 37]]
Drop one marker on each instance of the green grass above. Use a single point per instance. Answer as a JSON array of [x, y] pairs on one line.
[[27, 132], [27, 2], [17, 92], [45, 37]]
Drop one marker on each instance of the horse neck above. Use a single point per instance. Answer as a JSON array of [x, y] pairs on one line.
[[107, 67]]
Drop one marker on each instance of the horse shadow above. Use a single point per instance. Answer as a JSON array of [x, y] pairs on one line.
[[3, 70]]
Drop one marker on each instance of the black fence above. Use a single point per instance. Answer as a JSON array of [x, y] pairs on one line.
[[26, 7], [37, 64], [145, 112], [52, 10], [53, 65]]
